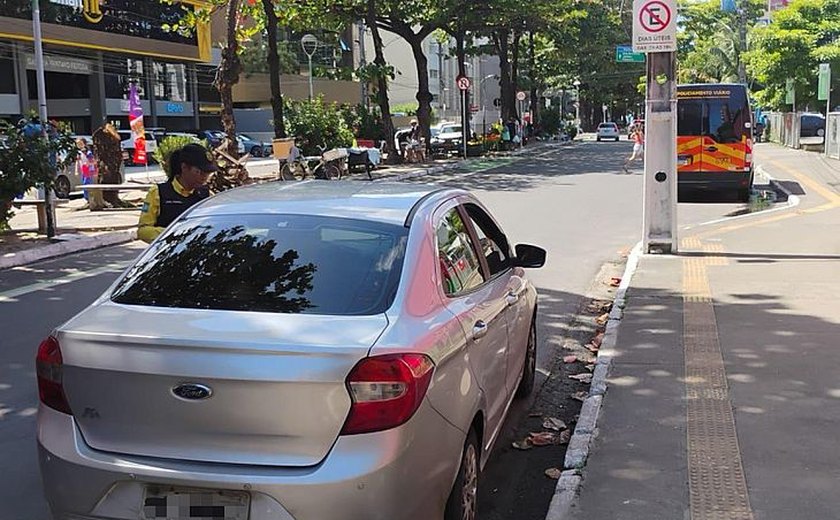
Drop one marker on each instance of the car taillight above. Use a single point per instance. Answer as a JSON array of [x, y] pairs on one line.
[[48, 365], [386, 391]]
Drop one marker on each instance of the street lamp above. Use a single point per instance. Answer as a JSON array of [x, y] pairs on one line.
[[309, 43], [483, 102], [577, 103]]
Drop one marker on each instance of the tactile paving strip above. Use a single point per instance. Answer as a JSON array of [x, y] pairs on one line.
[[717, 486]]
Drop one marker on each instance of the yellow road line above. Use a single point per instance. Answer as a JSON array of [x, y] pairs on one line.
[[824, 192]]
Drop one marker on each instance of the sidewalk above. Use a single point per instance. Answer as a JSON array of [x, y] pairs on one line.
[[78, 229], [723, 398]]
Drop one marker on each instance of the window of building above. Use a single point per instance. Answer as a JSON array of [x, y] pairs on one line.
[[120, 73], [60, 85], [433, 74], [170, 82], [7, 72], [206, 91]]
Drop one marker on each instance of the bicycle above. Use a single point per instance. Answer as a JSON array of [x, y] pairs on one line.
[[331, 165]]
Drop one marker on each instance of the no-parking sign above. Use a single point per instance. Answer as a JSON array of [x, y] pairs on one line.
[[654, 25]]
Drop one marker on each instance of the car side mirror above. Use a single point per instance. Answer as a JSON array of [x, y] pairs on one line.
[[529, 256]]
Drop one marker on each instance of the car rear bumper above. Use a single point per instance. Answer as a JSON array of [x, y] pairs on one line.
[[405, 473], [722, 180]]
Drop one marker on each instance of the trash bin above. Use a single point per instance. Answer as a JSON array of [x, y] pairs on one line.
[[281, 148]]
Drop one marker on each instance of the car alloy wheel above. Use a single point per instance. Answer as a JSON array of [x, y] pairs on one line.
[[463, 501]]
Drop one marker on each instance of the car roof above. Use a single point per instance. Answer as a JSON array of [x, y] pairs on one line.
[[383, 202]]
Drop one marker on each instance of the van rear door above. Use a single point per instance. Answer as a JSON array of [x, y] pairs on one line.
[[690, 135], [726, 142]]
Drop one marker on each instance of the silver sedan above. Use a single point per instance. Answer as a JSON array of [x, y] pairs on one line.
[[306, 351]]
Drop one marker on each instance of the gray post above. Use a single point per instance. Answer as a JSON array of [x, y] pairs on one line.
[[311, 90], [42, 106], [660, 196]]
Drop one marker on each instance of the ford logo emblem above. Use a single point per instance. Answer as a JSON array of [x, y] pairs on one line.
[[192, 391]]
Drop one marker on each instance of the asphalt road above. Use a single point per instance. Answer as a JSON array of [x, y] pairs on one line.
[[575, 201]]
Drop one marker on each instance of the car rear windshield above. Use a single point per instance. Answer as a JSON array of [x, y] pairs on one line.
[[270, 263]]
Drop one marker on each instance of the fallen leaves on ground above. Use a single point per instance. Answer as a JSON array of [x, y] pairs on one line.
[[553, 473], [553, 423], [591, 347], [569, 359], [590, 367], [580, 395], [540, 439], [583, 378], [599, 306], [598, 338], [602, 319], [615, 281]]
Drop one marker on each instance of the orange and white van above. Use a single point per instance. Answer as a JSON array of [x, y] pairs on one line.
[[714, 139]]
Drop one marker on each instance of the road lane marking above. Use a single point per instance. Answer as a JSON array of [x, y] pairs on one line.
[[75, 275], [717, 483]]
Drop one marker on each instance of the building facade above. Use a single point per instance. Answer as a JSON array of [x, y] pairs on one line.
[[94, 50]]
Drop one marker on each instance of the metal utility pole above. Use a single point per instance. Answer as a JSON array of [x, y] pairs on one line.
[[742, 36], [42, 106], [654, 32], [310, 43]]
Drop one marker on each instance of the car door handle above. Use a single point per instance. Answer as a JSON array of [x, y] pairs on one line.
[[479, 329], [711, 148]]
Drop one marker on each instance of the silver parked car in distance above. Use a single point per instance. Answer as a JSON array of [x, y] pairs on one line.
[[309, 351]]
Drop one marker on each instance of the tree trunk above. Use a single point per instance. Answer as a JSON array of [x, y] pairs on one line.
[[228, 75], [382, 86], [461, 55], [424, 96], [274, 70], [514, 74], [535, 100], [506, 94]]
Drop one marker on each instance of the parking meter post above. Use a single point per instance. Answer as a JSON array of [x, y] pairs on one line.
[[660, 156]]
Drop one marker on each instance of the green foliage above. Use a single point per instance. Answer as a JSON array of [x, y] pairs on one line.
[[550, 121], [801, 36], [255, 57], [365, 122], [27, 160], [317, 123], [169, 145]]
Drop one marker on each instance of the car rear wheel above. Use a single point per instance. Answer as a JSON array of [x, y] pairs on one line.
[[256, 151], [62, 187], [462, 503], [529, 369]]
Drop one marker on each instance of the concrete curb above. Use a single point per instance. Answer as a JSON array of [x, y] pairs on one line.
[[587, 426], [65, 248]]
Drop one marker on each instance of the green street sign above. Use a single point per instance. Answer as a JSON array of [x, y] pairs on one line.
[[824, 85], [625, 54], [790, 92]]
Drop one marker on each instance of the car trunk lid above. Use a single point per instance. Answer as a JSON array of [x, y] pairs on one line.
[[135, 379]]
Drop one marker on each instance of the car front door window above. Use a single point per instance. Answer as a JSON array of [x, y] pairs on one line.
[[493, 243], [459, 267]]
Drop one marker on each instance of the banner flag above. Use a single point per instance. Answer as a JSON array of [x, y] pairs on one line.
[[135, 121]]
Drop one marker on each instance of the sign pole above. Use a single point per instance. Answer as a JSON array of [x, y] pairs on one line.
[[464, 121], [654, 32]]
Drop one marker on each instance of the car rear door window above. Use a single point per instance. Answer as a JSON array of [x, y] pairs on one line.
[[270, 263], [459, 266]]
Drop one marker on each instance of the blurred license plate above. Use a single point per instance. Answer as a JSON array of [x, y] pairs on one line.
[[190, 504]]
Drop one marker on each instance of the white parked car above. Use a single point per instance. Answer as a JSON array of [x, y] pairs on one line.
[[128, 146], [607, 131]]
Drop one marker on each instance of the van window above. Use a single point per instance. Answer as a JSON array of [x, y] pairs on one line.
[[726, 120], [690, 117]]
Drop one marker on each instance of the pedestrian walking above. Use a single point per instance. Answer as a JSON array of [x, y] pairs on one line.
[[637, 135], [188, 172]]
